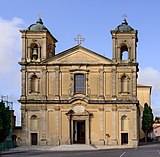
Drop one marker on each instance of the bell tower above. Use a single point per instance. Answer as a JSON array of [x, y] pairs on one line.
[[38, 43], [125, 66], [124, 43]]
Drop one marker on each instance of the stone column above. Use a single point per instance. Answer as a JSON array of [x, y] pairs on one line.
[[118, 54], [39, 53], [23, 123], [88, 138], [43, 84], [57, 83], [135, 127], [114, 140], [128, 85], [113, 49], [114, 83], [131, 83], [70, 129], [101, 127], [57, 125], [44, 48], [71, 90], [24, 45], [43, 140], [101, 84], [133, 50], [134, 79], [23, 84]]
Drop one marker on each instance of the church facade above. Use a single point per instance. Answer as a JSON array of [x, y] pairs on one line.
[[78, 96]]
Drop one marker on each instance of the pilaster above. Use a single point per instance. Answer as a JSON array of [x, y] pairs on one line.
[[101, 126], [57, 125], [114, 83], [23, 84], [135, 127], [43, 140], [57, 83], [44, 83], [101, 84], [114, 140]]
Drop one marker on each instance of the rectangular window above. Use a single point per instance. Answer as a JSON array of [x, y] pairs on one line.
[[79, 83]]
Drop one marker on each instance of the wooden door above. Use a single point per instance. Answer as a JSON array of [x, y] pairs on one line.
[[34, 139]]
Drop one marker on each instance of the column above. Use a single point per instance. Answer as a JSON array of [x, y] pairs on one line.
[[24, 48], [57, 83], [43, 140], [101, 84], [118, 54], [44, 83], [114, 83], [57, 125], [114, 140], [101, 126], [70, 128], [71, 90], [134, 80], [135, 126], [23, 84], [88, 130], [44, 48], [23, 123]]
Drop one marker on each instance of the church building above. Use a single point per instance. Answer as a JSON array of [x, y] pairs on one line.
[[79, 96]]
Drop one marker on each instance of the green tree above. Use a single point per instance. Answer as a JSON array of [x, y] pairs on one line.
[[5, 121], [147, 120]]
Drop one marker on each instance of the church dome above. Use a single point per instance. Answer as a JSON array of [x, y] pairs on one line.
[[124, 27], [38, 26]]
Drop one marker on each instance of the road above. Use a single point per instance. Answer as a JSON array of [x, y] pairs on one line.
[[145, 151]]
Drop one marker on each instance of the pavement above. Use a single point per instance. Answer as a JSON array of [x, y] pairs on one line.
[[74, 147]]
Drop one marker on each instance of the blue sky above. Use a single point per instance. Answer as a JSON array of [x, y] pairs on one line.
[[93, 19]]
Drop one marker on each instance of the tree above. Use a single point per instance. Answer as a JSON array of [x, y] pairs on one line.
[[5, 121], [147, 120]]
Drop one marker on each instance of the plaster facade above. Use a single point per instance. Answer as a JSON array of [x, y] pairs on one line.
[[79, 96]]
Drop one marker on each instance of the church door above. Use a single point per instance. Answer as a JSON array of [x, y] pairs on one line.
[[33, 138], [124, 138], [79, 131]]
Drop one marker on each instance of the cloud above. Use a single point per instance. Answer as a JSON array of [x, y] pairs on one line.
[[150, 76], [10, 44], [10, 54]]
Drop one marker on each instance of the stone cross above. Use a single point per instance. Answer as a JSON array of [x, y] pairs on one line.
[[79, 39]]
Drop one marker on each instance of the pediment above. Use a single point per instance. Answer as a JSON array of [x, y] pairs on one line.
[[79, 54]]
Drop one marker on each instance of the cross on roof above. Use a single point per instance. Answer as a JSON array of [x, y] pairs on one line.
[[39, 15], [124, 16], [79, 39]]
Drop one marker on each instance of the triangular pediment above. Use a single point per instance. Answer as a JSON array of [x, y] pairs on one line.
[[78, 54]]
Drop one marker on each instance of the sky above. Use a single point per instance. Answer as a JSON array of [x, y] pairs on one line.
[[93, 19]]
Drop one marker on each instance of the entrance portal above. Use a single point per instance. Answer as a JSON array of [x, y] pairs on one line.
[[79, 131], [124, 138], [34, 139]]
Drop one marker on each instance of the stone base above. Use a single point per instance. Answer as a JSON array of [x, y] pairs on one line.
[[135, 142], [114, 142], [101, 142]]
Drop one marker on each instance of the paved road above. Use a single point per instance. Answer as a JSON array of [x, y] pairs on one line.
[[145, 151]]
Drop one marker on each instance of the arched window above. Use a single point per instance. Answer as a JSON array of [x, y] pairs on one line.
[[34, 51], [124, 53], [124, 84], [33, 123], [79, 83], [34, 84], [124, 123]]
